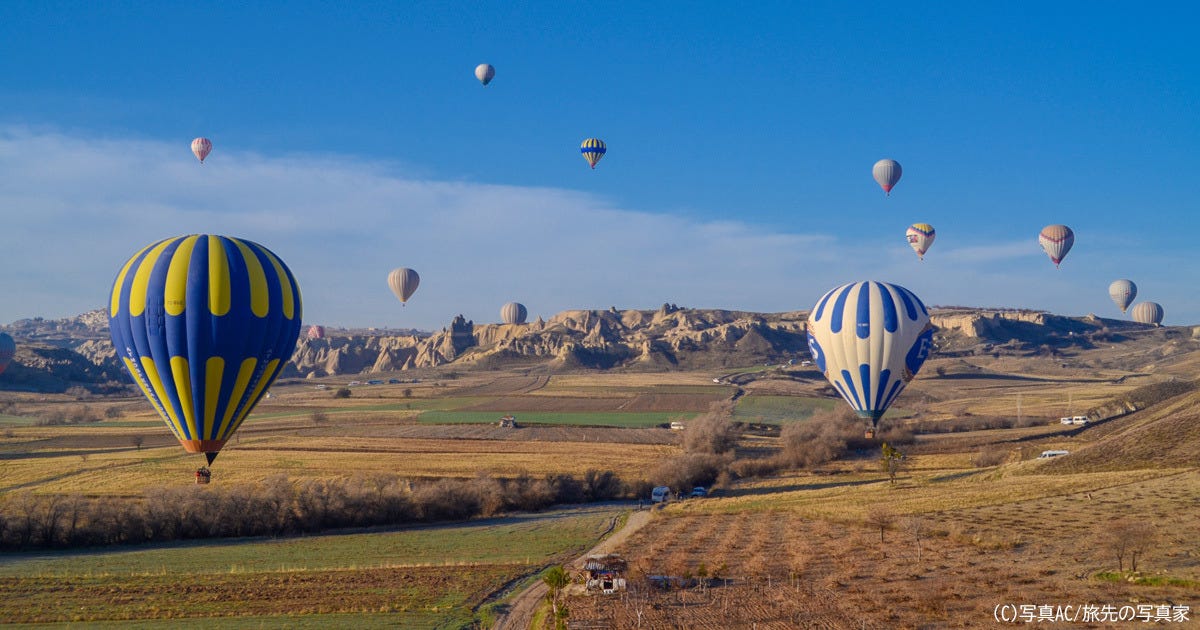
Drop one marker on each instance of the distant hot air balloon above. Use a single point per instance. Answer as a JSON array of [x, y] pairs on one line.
[[316, 332], [513, 313], [1147, 313], [485, 72], [1122, 293], [201, 147], [920, 237], [8, 347], [1056, 240], [204, 324], [403, 282], [887, 172], [869, 339], [593, 149]]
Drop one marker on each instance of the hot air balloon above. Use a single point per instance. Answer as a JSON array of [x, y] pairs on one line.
[[403, 282], [593, 149], [8, 347], [887, 172], [485, 72], [513, 313], [204, 324], [920, 237], [316, 332], [869, 339], [201, 147], [1122, 293], [1056, 240], [1147, 313]]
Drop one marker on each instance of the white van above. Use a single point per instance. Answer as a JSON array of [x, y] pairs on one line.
[[1067, 420], [1079, 420], [660, 494], [1049, 454]]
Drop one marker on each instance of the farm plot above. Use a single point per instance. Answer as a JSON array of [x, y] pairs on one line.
[[596, 419], [781, 569], [412, 578]]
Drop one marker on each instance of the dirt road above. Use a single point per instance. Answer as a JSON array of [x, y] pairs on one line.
[[523, 606]]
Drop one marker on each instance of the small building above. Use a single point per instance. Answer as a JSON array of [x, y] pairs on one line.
[[605, 573], [508, 422]]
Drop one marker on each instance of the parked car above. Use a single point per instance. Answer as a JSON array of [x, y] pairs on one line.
[[660, 494], [699, 492], [393, 381]]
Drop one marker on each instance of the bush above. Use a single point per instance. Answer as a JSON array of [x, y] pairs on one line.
[[820, 440], [342, 392], [692, 469], [713, 432]]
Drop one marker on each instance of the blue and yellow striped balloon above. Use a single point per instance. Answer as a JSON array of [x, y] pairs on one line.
[[204, 324], [593, 149], [869, 339]]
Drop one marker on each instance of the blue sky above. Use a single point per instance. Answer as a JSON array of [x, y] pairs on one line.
[[355, 139]]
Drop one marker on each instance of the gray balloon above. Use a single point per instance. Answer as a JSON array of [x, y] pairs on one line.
[[513, 313]]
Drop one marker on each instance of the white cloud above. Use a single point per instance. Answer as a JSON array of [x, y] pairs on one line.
[[74, 209]]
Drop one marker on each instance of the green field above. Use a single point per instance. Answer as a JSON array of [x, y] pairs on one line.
[[424, 577], [591, 418], [780, 409]]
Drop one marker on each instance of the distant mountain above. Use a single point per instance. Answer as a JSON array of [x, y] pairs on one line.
[[53, 355]]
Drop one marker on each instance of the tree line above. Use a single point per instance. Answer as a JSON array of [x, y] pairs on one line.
[[279, 506]]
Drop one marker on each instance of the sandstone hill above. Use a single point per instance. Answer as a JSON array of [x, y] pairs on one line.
[[54, 355]]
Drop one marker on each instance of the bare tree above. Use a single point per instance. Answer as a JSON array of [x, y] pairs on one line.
[[881, 516], [916, 528], [137, 441], [1127, 538], [712, 432]]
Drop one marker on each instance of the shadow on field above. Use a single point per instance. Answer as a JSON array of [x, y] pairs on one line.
[[749, 492]]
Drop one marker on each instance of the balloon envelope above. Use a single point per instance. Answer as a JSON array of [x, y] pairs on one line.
[[485, 72], [920, 237], [1122, 293], [316, 332], [1147, 313], [887, 172], [8, 348], [1056, 241], [201, 147], [404, 282], [204, 324], [869, 339], [513, 313], [593, 149]]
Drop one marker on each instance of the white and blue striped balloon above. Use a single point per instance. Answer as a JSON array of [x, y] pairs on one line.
[[869, 339]]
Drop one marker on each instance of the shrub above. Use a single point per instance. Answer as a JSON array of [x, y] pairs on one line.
[[342, 392], [713, 432]]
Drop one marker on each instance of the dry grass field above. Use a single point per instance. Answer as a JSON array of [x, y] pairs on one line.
[[796, 549]]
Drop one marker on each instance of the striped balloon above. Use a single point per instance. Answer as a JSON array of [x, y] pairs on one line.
[[920, 237], [403, 282], [204, 324], [201, 147], [1122, 293], [887, 172], [8, 348], [1056, 241], [485, 73], [869, 339], [1147, 313], [593, 149], [513, 313]]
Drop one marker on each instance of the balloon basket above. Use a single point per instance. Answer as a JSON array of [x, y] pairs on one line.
[[870, 434], [203, 475]]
